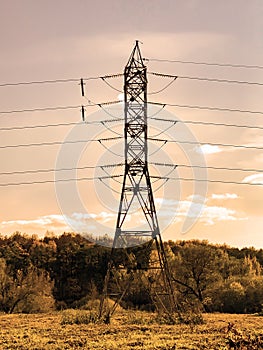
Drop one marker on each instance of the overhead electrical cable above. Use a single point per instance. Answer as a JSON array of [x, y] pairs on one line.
[[35, 171], [212, 181], [207, 167], [12, 128], [195, 122], [164, 88], [217, 64], [70, 80], [205, 143], [210, 108], [164, 130], [164, 141], [58, 143], [114, 176], [55, 181], [111, 86], [214, 80], [45, 109], [109, 187]]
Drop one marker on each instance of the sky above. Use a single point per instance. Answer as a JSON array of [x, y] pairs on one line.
[[49, 40]]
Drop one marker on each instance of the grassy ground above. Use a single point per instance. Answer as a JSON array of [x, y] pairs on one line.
[[126, 331]]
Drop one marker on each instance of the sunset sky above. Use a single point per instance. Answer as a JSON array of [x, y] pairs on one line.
[[49, 40]]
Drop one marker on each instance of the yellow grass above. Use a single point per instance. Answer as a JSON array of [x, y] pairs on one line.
[[130, 330]]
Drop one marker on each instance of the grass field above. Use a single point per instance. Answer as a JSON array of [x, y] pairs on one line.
[[130, 330]]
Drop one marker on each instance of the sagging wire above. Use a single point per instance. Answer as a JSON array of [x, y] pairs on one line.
[[174, 166], [107, 173], [160, 186], [110, 114], [113, 131], [109, 187], [164, 88], [111, 86], [154, 152], [156, 113], [161, 132], [108, 149]]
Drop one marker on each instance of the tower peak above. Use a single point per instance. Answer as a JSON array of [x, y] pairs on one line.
[[135, 58]]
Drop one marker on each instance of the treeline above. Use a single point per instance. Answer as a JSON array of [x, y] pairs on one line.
[[37, 275]]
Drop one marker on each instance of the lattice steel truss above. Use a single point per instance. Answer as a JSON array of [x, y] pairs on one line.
[[146, 263]]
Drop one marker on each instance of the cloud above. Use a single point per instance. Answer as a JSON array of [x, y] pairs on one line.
[[47, 222], [224, 196], [164, 201], [43, 220], [196, 198], [208, 149], [197, 207], [254, 179], [58, 223], [213, 214], [208, 215]]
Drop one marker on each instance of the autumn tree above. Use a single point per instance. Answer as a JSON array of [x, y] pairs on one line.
[[25, 292], [242, 290], [196, 269]]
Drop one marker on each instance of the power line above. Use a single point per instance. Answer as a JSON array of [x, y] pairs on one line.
[[115, 176], [120, 137], [164, 88], [55, 181], [46, 144], [214, 80], [207, 167], [53, 143], [36, 171], [44, 109], [212, 181], [70, 80], [11, 128], [205, 123], [42, 82], [111, 86], [210, 108], [120, 119], [205, 143], [231, 65], [106, 166]]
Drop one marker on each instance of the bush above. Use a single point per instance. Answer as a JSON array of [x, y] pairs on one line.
[[79, 317], [36, 304], [243, 340]]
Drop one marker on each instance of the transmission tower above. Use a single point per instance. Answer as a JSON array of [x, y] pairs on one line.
[[129, 262]]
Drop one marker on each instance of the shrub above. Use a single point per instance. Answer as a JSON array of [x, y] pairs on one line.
[[79, 317], [243, 340]]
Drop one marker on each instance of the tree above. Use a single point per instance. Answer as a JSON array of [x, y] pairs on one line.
[[241, 291], [5, 285], [25, 292], [232, 297], [196, 268]]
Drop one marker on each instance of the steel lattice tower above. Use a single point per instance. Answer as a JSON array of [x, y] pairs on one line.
[[149, 262]]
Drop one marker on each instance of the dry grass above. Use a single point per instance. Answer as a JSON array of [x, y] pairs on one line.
[[133, 330]]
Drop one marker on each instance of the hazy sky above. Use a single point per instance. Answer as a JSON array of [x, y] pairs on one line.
[[46, 40]]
